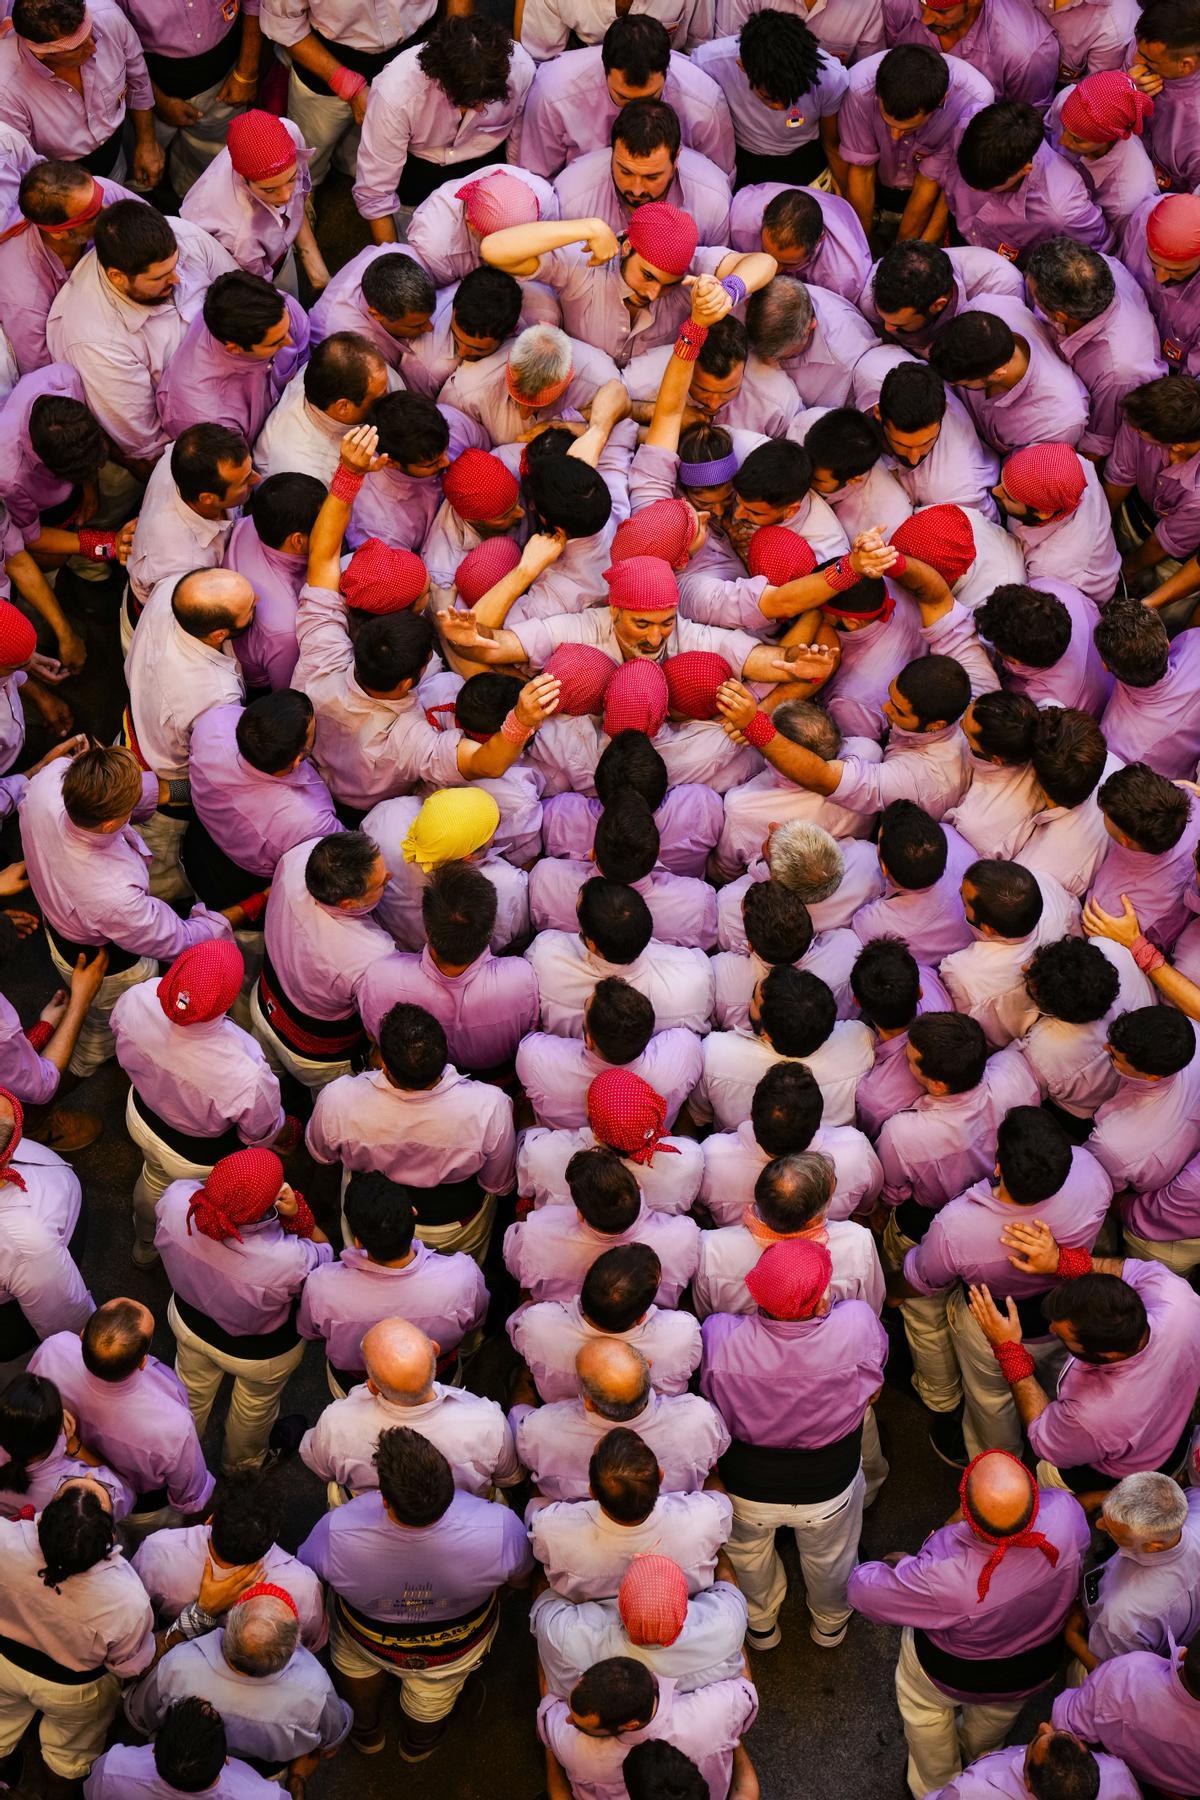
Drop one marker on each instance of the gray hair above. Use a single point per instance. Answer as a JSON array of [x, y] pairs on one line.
[[1071, 279], [541, 356], [260, 1636], [807, 860], [1149, 1505], [617, 1411], [778, 318], [805, 723], [794, 1190]]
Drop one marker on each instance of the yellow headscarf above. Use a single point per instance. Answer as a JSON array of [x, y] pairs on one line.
[[450, 825]]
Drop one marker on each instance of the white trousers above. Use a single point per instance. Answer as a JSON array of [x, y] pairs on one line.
[[425, 1696], [826, 1534], [258, 1385], [163, 834], [75, 1720], [160, 1167], [935, 1366], [328, 127], [943, 1736], [95, 1044], [286, 1061], [990, 1419]]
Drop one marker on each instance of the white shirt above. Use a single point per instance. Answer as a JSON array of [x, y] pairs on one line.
[[728, 1255], [677, 982], [735, 1062], [471, 1433], [172, 679], [171, 539]]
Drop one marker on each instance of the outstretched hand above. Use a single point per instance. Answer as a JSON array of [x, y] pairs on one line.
[[360, 450]]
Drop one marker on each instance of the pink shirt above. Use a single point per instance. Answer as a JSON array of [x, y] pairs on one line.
[[170, 1565], [891, 1087], [996, 814], [1149, 1129], [707, 1726], [848, 29], [1157, 886], [485, 1012], [203, 1079], [454, 1130], [669, 1182], [1139, 1709], [440, 238], [841, 258], [823, 370], [585, 190], [734, 1160], [471, 1433], [756, 126], [771, 798], [32, 1078], [1079, 549], [677, 982], [254, 818], [1122, 179], [931, 921], [36, 1224], [1070, 842], [861, 881], [1053, 199], [204, 380], [550, 1334], [444, 1295], [1160, 724], [248, 1288], [838, 1356], [585, 1554], [1009, 42], [975, 272], [830, 957], [735, 1062], [1112, 353], [871, 658], [556, 1072], [319, 954], [683, 909], [101, 1619], [728, 1255], [688, 821], [555, 1442], [59, 121], [986, 979], [945, 1142], [549, 1253], [1048, 405], [258, 237], [866, 141], [1070, 1061], [27, 486], [926, 766]]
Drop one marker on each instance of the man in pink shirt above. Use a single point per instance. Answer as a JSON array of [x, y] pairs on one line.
[[923, 865], [618, 1032], [1079, 987], [682, 909], [59, 205], [1155, 829], [648, 161], [1007, 190], [1157, 452], [1006, 40], [1011, 913], [381, 295], [813, 235], [891, 989], [1015, 386], [916, 288], [1152, 716], [1054, 506], [627, 1116], [240, 352]]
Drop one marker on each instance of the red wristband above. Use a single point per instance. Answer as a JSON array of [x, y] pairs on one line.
[[759, 731], [98, 546], [39, 1035], [345, 83], [302, 1224], [346, 483], [690, 341], [512, 730], [1073, 1262], [1015, 1361], [900, 564], [1146, 955], [840, 575], [254, 907]]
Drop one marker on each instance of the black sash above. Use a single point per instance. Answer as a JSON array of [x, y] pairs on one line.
[[118, 960], [102, 161], [450, 1203], [989, 1674], [254, 1347], [183, 76], [1084, 1478], [777, 1477], [1029, 1311], [35, 1662], [204, 1151], [219, 881], [913, 1219]]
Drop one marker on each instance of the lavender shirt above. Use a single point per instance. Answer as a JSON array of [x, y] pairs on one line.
[[445, 1295], [585, 190], [1172, 133], [254, 818], [1160, 724], [1079, 549], [204, 380], [945, 1142], [1121, 178], [1149, 1129], [102, 1620], [841, 258], [1048, 405], [689, 824], [27, 487], [247, 1288], [549, 1335], [60, 121], [838, 1358], [471, 1433], [986, 980], [485, 1011], [734, 1160], [586, 1554], [1171, 490], [319, 954], [268, 652], [1139, 1709], [170, 1565], [1148, 1599], [735, 1062], [866, 142], [1052, 200], [36, 1223], [127, 1772], [1070, 1061], [669, 1182], [440, 238], [755, 126], [830, 957], [258, 237], [569, 111], [1156, 886], [556, 1072], [1002, 1774], [272, 1718], [683, 910], [203, 1078], [454, 1131], [555, 1442], [549, 1253], [47, 1475], [1112, 353], [891, 1087], [1009, 42], [931, 921], [707, 1726]]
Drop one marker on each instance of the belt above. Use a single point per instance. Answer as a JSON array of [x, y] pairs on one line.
[[789, 1477], [152, 1501], [36, 1662], [183, 76], [321, 1040], [1018, 1674], [418, 1644], [205, 1151], [102, 161], [253, 1346], [219, 881], [118, 960]]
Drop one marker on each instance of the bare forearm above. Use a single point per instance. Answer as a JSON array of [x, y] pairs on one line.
[[325, 542], [1185, 581], [32, 585], [860, 191], [1177, 989], [61, 1047], [250, 53], [519, 248], [312, 55], [919, 208], [1030, 1398]]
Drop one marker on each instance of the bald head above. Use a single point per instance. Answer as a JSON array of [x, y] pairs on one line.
[[614, 1378], [1000, 1494], [116, 1339], [213, 604], [400, 1361]]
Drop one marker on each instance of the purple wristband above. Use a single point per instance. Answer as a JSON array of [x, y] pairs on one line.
[[735, 287]]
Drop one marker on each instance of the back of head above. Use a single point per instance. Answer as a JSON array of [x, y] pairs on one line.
[[341, 367], [786, 1109], [208, 600], [1166, 409], [395, 286], [1065, 1770], [792, 1191], [620, 1286], [794, 220], [656, 1770], [778, 924], [1107, 1315], [1069, 754], [101, 786], [340, 867], [261, 1635], [951, 1048], [627, 841], [67, 438], [413, 1046], [75, 1532], [487, 303], [285, 505], [796, 1011], [1133, 642], [1147, 807], [1004, 724], [645, 126], [41, 21], [614, 1379], [566, 495], [415, 1479], [778, 473], [886, 983], [1072, 980], [1071, 278], [844, 442], [911, 81], [603, 1190], [196, 456], [998, 142], [629, 761], [617, 1693], [1151, 1507], [615, 919], [912, 846], [392, 649], [190, 1746], [240, 308], [458, 908], [116, 1338], [778, 320], [1034, 1154], [53, 191], [1154, 1040], [912, 398], [273, 730], [1025, 624], [638, 47], [31, 1417], [937, 690], [243, 1519], [971, 347], [1174, 23], [807, 859], [1007, 897], [130, 236], [412, 429], [912, 277], [624, 1476], [380, 1215], [620, 1020], [780, 55], [805, 723]]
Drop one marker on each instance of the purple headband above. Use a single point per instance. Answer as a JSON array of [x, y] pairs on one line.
[[709, 474]]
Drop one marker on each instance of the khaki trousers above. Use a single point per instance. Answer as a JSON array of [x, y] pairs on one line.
[[935, 1366], [258, 1385], [1180, 1254], [826, 1534], [96, 1044], [943, 1736], [425, 1696], [75, 1720], [328, 127], [990, 1419], [286, 1061]]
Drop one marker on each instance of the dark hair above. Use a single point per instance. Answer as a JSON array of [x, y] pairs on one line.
[[645, 126], [779, 473], [912, 846], [244, 1518], [951, 1048], [603, 1190], [911, 81], [555, 440], [1069, 754], [284, 504], [75, 1532], [913, 275], [273, 730], [623, 1475], [339, 867], [130, 235], [864, 598], [1005, 722], [725, 348], [458, 909], [1008, 899], [778, 924], [487, 303], [196, 456], [340, 367], [886, 983], [656, 1770], [629, 760], [1173, 23], [796, 1011], [912, 397], [412, 428], [484, 701], [619, 1286], [1154, 1040], [240, 308], [972, 346], [620, 1020], [704, 441], [566, 495], [1167, 409], [794, 219], [413, 1046], [997, 142], [935, 687], [1146, 807], [1026, 624], [617, 1692], [1106, 1313], [41, 21], [637, 47], [1072, 980], [844, 441], [67, 438], [615, 918], [1133, 642], [380, 1215], [392, 649], [1067, 1770], [469, 57], [1071, 278], [791, 1191], [1034, 1154], [786, 1109], [190, 1746], [780, 55], [48, 190], [31, 1417], [415, 1479], [627, 841], [395, 285], [114, 1340]]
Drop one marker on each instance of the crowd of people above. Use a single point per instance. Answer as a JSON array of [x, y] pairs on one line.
[[659, 741]]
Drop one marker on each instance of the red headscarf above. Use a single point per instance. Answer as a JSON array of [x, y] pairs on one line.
[[1048, 477], [664, 529], [1106, 106], [636, 698], [1173, 228], [1026, 1539], [940, 536], [693, 677], [239, 1191], [381, 579], [791, 1277], [485, 565], [268, 1590], [479, 486], [585, 673], [642, 584], [18, 639], [779, 554], [628, 1115], [203, 982], [498, 200], [653, 1600], [664, 236], [9, 1151], [260, 145]]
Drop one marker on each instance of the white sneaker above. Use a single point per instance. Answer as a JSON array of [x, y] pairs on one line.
[[769, 1639], [829, 1640]]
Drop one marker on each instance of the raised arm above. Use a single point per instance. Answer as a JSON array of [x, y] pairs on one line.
[[519, 249], [1125, 930], [358, 458], [745, 722], [710, 303]]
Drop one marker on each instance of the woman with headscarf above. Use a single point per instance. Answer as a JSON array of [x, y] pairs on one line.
[[416, 836], [201, 1086], [41, 1290], [237, 1251]]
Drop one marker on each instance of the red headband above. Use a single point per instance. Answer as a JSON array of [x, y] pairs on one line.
[[1025, 1539], [267, 1590], [1106, 106]]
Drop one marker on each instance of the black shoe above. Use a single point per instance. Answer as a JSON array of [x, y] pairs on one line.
[[419, 1738], [284, 1440], [946, 1438]]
